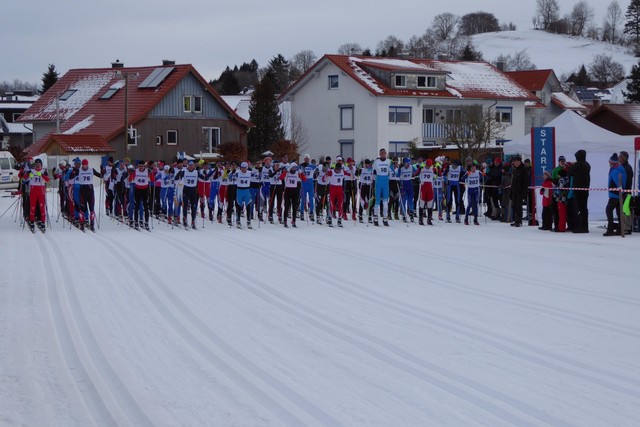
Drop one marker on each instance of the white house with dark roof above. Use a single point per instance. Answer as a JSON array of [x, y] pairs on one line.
[[355, 105]]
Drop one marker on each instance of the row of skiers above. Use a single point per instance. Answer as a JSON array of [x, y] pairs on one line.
[[290, 191], [376, 189]]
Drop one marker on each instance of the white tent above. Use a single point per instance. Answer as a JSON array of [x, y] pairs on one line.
[[575, 133]]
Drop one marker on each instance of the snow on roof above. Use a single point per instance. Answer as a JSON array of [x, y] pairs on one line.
[[86, 87], [83, 124], [564, 101], [479, 79], [14, 105], [364, 76], [24, 128], [402, 64]]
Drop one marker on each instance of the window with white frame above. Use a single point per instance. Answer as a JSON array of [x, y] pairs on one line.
[[334, 83], [428, 82], [197, 104], [428, 115], [346, 117], [504, 115], [400, 80], [346, 148], [211, 138], [15, 116], [172, 137], [158, 139], [187, 105], [400, 115]]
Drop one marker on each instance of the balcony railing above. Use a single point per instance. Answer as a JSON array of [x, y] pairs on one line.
[[439, 131]]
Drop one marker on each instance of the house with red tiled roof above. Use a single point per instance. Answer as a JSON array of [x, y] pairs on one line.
[[552, 101], [623, 119], [355, 105], [164, 110]]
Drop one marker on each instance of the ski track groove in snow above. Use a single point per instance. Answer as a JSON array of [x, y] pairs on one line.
[[484, 397], [105, 395], [493, 339], [222, 362], [448, 284]]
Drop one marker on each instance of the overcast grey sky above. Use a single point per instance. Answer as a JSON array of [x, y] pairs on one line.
[[211, 34]]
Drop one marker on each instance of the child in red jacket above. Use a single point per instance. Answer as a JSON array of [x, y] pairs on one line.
[[547, 192]]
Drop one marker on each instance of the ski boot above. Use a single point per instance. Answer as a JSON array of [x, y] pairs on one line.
[[429, 221], [385, 222], [360, 219], [286, 225], [293, 224], [375, 221], [475, 221], [42, 227], [92, 226], [339, 222], [32, 226], [238, 224], [329, 223], [466, 221], [169, 220], [404, 218], [146, 226], [249, 225]]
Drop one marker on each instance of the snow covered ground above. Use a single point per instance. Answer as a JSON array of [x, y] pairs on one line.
[[449, 325], [564, 54]]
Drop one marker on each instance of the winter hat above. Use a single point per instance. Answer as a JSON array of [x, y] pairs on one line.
[[498, 160], [38, 161], [614, 158], [339, 159], [167, 167], [406, 160], [546, 173], [306, 156], [76, 160], [293, 165], [429, 162], [469, 159], [63, 163], [244, 165], [349, 160], [367, 161], [131, 167], [562, 159], [85, 162]]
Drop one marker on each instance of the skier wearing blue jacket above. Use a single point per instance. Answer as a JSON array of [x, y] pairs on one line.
[[473, 178], [406, 174], [308, 187], [382, 170]]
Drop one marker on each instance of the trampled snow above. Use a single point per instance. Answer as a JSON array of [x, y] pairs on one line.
[[449, 325]]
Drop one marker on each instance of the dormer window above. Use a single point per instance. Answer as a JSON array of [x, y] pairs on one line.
[[427, 82], [401, 80]]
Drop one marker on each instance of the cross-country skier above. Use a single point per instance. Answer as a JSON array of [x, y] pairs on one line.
[[38, 179], [292, 180], [307, 192], [383, 171]]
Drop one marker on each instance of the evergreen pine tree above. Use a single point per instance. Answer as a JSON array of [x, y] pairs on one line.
[[49, 78], [280, 70], [265, 115], [468, 54], [632, 94], [582, 78], [632, 26], [229, 83]]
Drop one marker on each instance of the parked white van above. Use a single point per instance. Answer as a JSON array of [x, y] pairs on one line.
[[8, 172]]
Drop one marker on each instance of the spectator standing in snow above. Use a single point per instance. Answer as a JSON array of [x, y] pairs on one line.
[[580, 177], [617, 180], [518, 189]]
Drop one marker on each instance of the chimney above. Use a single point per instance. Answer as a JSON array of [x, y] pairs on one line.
[[597, 102], [117, 64], [168, 62], [500, 65]]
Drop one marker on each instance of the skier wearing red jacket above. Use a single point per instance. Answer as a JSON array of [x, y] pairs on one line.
[[335, 178], [38, 179]]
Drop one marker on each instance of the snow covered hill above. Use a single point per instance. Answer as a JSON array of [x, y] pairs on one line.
[[449, 325], [564, 54]]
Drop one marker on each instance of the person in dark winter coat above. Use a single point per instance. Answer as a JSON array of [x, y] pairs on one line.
[[580, 177], [519, 183]]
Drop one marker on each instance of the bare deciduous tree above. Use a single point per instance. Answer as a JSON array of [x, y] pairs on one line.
[[605, 70], [473, 130], [612, 21], [581, 15], [549, 11], [444, 25], [350, 49], [392, 46]]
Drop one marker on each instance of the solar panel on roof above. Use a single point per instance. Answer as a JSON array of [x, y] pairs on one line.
[[149, 79], [156, 77]]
